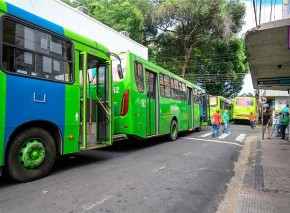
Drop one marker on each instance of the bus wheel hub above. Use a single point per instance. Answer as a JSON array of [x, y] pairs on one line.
[[32, 154]]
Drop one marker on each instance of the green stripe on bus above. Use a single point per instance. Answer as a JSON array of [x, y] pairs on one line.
[[3, 7], [2, 113], [72, 119]]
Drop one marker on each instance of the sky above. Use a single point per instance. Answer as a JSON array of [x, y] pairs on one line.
[[250, 23]]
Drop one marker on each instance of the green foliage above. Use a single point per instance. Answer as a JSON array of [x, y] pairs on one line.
[[197, 40], [121, 15]]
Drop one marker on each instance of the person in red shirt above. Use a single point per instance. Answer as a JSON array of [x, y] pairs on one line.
[[252, 120], [216, 123]]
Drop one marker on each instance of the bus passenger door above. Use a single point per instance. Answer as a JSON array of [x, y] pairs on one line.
[[96, 116], [190, 109], [152, 101]]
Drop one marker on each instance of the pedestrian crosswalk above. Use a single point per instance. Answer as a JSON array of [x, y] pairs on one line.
[[241, 137]]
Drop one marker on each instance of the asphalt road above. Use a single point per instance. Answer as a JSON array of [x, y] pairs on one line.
[[187, 175]]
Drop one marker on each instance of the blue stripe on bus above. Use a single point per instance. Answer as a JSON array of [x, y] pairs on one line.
[[24, 102], [18, 12]]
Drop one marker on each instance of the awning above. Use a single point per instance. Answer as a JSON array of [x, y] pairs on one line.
[[268, 51]]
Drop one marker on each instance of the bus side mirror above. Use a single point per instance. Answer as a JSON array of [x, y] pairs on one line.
[[120, 71]]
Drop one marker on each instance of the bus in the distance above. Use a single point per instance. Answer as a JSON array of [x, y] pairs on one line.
[[242, 108], [150, 101], [220, 103], [53, 101]]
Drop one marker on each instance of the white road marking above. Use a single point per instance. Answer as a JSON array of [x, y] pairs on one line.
[[92, 205], [205, 135], [216, 141], [200, 169], [157, 170], [187, 153], [241, 137], [224, 135]]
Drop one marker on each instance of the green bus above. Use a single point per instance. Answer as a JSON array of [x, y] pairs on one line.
[[220, 103], [150, 101], [242, 108], [52, 102]]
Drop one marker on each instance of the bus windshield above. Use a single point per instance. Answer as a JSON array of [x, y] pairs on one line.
[[244, 102], [213, 101], [115, 63]]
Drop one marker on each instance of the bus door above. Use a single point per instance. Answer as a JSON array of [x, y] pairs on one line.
[[205, 108], [152, 101], [190, 109], [96, 116]]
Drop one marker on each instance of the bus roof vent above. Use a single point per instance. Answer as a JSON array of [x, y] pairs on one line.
[[83, 10], [125, 33]]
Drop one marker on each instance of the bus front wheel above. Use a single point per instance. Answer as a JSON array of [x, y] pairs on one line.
[[31, 155], [173, 130]]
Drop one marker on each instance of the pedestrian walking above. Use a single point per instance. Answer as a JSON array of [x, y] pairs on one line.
[[226, 120], [252, 120], [216, 123], [284, 124], [278, 124], [266, 123]]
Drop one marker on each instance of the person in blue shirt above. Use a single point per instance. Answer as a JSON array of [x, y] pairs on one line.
[[278, 124]]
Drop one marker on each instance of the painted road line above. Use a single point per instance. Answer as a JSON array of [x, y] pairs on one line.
[[241, 137], [205, 135], [224, 135], [215, 141]]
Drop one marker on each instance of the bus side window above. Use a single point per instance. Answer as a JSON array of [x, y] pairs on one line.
[[101, 74], [81, 78]]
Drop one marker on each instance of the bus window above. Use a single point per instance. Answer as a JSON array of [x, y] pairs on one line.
[[213, 101], [139, 76], [28, 51], [244, 101]]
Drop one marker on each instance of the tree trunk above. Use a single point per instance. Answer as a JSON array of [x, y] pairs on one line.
[[186, 57]]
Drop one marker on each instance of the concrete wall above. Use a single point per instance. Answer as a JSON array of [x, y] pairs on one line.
[[70, 18]]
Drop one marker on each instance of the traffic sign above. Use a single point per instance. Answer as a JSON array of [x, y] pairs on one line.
[[262, 100]]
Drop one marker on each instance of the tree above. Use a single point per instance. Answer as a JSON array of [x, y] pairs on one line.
[[190, 23], [121, 15], [197, 41], [223, 67]]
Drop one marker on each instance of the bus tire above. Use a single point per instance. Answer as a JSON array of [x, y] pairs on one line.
[[198, 129], [30, 155], [173, 130]]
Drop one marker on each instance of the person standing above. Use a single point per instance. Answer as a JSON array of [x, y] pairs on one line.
[[278, 124], [216, 123], [226, 121], [252, 120], [266, 123], [284, 124]]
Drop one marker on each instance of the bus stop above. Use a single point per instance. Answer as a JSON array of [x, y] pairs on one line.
[[268, 52]]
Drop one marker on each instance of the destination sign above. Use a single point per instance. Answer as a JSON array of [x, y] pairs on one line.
[[273, 81]]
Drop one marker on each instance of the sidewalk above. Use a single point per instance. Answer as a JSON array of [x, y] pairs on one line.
[[266, 186]]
